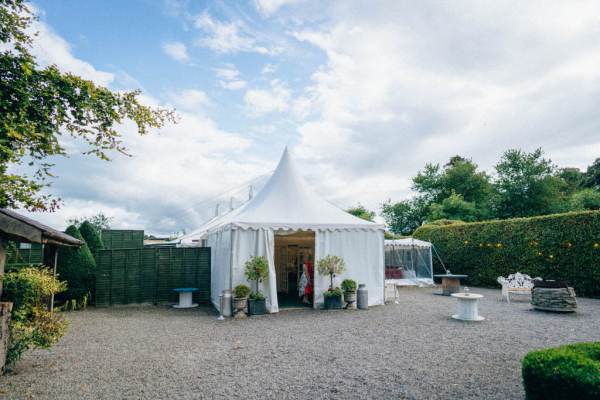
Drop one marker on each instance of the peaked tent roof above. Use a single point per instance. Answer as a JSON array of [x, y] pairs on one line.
[[287, 202]]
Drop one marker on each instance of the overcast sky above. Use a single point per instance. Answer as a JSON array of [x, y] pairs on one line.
[[363, 92]]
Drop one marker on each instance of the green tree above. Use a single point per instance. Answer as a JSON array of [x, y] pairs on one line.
[[459, 176], [592, 175], [453, 207], [585, 199], [573, 179], [40, 105], [526, 185], [361, 211], [99, 221], [405, 216], [77, 267], [92, 237]]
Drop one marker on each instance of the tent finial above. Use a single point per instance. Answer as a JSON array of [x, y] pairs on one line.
[[251, 193]]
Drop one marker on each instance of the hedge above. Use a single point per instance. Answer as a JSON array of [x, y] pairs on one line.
[[92, 237], [77, 267], [560, 246], [566, 372]]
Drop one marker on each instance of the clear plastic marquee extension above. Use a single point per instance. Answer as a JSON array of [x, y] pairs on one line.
[[408, 262]]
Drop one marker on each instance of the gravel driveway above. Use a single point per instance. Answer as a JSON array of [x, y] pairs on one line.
[[411, 350]]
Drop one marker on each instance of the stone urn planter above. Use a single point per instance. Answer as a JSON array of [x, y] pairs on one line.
[[350, 299], [240, 300], [239, 305], [349, 288]]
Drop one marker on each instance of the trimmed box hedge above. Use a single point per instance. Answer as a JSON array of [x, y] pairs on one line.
[[566, 372], [560, 246]]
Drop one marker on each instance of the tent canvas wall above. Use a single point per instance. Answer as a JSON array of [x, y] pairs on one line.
[[408, 261], [287, 204]]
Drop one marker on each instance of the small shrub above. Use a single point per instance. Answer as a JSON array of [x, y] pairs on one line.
[[349, 285], [337, 292], [31, 324], [241, 291], [257, 296], [566, 372], [331, 265]]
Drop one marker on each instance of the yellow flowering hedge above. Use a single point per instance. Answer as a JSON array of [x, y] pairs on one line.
[[560, 246]]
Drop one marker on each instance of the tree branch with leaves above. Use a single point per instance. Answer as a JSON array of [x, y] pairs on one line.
[[39, 106]]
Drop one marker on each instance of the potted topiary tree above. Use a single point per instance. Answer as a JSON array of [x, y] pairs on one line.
[[331, 265], [257, 269], [240, 300], [349, 288]]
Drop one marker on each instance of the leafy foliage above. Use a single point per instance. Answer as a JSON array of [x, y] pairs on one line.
[[257, 269], [585, 199], [331, 265], [331, 292], [349, 285], [361, 211], [39, 105], [453, 207], [592, 175], [99, 221], [561, 246], [77, 267], [241, 291], [31, 325], [565, 372], [525, 185], [405, 216], [92, 237]]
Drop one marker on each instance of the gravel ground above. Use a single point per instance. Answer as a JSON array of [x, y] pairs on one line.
[[411, 350]]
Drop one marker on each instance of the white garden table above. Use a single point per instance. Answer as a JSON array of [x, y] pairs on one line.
[[185, 297], [467, 306]]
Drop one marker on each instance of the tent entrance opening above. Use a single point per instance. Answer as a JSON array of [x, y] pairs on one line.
[[294, 261]]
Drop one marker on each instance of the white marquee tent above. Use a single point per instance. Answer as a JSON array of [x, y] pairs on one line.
[[287, 204]]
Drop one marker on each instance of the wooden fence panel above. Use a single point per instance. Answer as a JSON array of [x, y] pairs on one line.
[[122, 239], [149, 275], [103, 278]]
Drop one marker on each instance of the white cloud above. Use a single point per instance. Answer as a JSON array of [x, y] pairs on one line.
[[264, 101], [268, 69], [229, 37], [394, 93], [230, 78], [177, 51], [189, 99], [269, 7]]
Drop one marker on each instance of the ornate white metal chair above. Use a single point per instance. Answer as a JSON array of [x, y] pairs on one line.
[[516, 283]]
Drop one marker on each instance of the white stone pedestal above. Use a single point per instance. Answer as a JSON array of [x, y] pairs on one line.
[[467, 306]]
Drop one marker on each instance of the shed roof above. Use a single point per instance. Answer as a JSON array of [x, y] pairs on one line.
[[23, 229]]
